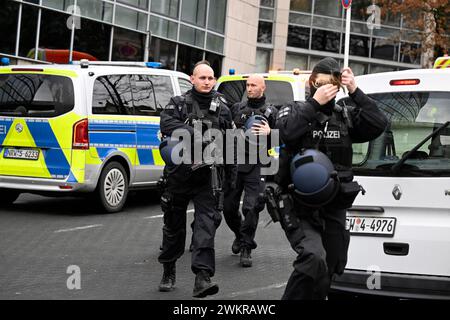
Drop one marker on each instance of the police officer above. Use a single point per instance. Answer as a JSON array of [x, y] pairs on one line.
[[249, 175], [318, 232], [204, 104]]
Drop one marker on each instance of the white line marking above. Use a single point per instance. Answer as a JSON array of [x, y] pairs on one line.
[[154, 217], [255, 290], [79, 228]]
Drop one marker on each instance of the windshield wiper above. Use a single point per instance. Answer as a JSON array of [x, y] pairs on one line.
[[396, 166]]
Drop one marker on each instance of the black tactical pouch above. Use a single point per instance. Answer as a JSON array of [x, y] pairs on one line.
[[166, 202], [288, 217], [348, 191]]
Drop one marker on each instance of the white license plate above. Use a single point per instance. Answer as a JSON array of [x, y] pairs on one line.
[[26, 154], [363, 225]]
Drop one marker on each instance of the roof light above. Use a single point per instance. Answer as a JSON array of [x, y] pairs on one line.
[[154, 65], [231, 72], [404, 82], [5, 61]]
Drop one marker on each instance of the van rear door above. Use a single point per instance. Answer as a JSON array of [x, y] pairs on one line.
[[36, 123]]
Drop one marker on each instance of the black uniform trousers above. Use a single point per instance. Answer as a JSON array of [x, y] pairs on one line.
[[321, 241], [253, 185], [206, 220]]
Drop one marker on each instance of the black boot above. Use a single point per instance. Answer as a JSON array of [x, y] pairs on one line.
[[168, 279], [203, 286], [236, 246], [246, 258]]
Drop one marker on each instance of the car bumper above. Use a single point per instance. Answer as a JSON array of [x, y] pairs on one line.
[[410, 286], [26, 184]]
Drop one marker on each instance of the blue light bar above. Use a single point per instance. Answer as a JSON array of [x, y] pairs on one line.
[[153, 64], [5, 61], [231, 72]]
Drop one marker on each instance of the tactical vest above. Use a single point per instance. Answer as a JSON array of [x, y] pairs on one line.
[[330, 135], [193, 108], [246, 112]]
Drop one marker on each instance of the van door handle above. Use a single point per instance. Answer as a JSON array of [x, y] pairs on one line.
[[396, 248]]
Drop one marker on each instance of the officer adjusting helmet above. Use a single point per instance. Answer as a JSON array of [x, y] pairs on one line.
[[167, 148], [251, 121], [314, 179]]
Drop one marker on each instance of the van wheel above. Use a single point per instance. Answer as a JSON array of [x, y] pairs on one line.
[[8, 196], [112, 188]]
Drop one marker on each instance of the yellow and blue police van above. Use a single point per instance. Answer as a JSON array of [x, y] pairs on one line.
[[281, 86], [82, 129]]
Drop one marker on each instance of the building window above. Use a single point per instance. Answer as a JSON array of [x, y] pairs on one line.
[[54, 33], [384, 49], [8, 21], [194, 11], [358, 68], [128, 45], [28, 31], [187, 58], [96, 9], [192, 36], [262, 60], [216, 17], [131, 19], [166, 7], [163, 51], [298, 37], [325, 41], [301, 5], [359, 46], [410, 53], [142, 4], [265, 32], [216, 63], [58, 4], [163, 28], [95, 43], [296, 61], [328, 8], [376, 68], [214, 43], [266, 19]]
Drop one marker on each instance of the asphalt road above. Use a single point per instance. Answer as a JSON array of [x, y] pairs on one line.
[[41, 239]]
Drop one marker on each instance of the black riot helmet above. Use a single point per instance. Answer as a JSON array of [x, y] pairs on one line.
[[167, 147], [314, 178], [251, 121]]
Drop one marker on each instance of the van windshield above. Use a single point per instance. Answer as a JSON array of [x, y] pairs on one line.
[[413, 116], [35, 95], [277, 92]]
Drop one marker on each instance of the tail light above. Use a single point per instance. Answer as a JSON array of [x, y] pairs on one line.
[[81, 135], [404, 82]]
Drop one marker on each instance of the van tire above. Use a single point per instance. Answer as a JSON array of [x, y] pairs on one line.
[[112, 188], [8, 196]]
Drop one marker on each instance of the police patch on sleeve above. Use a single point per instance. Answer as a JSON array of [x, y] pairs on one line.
[[284, 112], [222, 99]]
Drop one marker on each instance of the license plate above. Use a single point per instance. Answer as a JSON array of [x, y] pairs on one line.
[[26, 154], [374, 226]]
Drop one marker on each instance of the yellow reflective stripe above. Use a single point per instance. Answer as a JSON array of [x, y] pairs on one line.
[[131, 153], [279, 78], [231, 78], [79, 164], [92, 157], [54, 72], [157, 158], [62, 129], [442, 63]]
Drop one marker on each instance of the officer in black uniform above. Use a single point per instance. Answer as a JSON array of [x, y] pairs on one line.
[[204, 104], [318, 233], [249, 175]]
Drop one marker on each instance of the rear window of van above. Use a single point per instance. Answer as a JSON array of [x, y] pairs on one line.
[[277, 92], [35, 95]]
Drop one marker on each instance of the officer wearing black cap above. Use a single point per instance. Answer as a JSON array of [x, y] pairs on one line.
[[315, 179], [257, 116], [187, 182]]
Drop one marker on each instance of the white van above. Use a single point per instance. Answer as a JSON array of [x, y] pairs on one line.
[[400, 228], [82, 129]]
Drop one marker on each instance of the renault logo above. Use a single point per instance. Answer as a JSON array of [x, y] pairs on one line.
[[397, 192], [19, 128]]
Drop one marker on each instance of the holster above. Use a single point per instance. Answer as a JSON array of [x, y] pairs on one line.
[[348, 191], [166, 202]]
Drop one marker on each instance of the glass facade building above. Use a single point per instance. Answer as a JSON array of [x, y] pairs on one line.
[[177, 33], [316, 29]]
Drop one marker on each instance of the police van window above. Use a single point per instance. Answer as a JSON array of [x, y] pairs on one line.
[[277, 92], [35, 95], [112, 95], [163, 90], [412, 116], [144, 99], [185, 85]]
